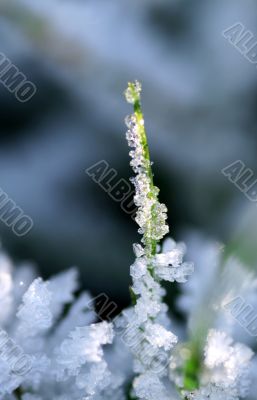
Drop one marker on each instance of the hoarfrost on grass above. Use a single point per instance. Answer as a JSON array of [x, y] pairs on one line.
[[140, 354]]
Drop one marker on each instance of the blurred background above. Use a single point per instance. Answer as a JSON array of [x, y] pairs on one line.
[[199, 99]]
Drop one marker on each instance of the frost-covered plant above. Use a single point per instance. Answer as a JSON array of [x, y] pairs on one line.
[[148, 317], [72, 356]]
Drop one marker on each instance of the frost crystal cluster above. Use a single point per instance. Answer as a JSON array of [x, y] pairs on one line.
[[53, 346], [151, 214], [226, 369], [52, 335]]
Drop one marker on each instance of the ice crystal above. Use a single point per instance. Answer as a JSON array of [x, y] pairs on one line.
[[228, 362], [148, 387], [227, 369], [151, 215], [34, 314], [66, 354]]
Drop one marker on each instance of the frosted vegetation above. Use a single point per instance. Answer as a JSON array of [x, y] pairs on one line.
[[54, 346]]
